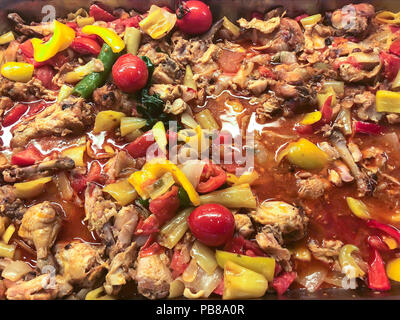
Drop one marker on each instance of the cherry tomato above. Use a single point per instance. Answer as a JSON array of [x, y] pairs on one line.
[[194, 17], [130, 73], [138, 148], [212, 224]]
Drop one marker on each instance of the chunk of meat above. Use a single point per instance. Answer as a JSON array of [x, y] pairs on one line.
[[176, 107], [153, 276], [289, 220], [60, 119], [366, 109], [21, 91], [107, 96], [121, 165], [312, 187], [173, 92], [42, 29], [327, 252], [243, 225], [11, 206], [38, 288], [80, 263], [353, 19], [40, 225], [350, 73], [265, 27]]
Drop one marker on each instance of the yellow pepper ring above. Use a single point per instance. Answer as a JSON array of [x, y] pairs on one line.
[[61, 40], [109, 36], [388, 17]]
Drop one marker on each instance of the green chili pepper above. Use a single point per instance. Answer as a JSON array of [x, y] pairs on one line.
[[95, 80], [144, 203], [183, 197]]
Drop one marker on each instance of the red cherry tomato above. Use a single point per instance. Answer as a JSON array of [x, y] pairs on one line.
[[212, 224], [130, 73], [194, 17]]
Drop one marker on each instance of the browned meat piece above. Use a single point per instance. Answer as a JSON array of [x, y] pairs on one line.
[[60, 119], [289, 37], [11, 206], [327, 252], [167, 72], [80, 263], [43, 29], [119, 270], [36, 289], [20, 91], [289, 220], [265, 27], [373, 159], [353, 18], [312, 187], [176, 107], [40, 225], [243, 225], [121, 165], [10, 54], [349, 73], [5, 104], [153, 276], [172, 92], [125, 222], [107, 96], [46, 168], [366, 106]]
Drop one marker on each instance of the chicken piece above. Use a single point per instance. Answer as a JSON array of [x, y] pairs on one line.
[[121, 165], [349, 73], [80, 263], [243, 225], [353, 19], [60, 119], [42, 29], [366, 109], [167, 72], [373, 159], [355, 151], [327, 252], [329, 150], [46, 168], [289, 220], [118, 273], [173, 92], [270, 106], [38, 288], [11, 206], [177, 107], [153, 276], [5, 104], [312, 187], [21, 91], [107, 96], [258, 86], [40, 225], [265, 27], [98, 212]]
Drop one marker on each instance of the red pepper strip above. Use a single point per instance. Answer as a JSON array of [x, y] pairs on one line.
[[85, 45], [326, 117], [138, 148], [391, 231], [154, 248], [283, 282], [302, 16], [266, 72], [377, 243], [395, 47], [391, 64], [99, 12], [165, 206], [377, 278], [46, 74], [148, 226], [78, 182], [215, 177], [179, 263], [367, 127], [27, 157], [94, 174], [240, 245], [14, 114]]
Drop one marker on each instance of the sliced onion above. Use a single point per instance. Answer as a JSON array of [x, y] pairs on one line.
[[15, 270], [188, 120], [312, 277], [192, 169], [190, 273], [205, 282]]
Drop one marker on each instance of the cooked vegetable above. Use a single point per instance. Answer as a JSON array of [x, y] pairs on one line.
[[262, 265], [173, 230], [15, 270], [303, 154], [358, 208], [311, 20], [109, 36], [204, 256], [212, 224], [242, 283], [7, 250], [96, 295], [64, 186], [107, 120], [132, 39], [130, 73], [377, 278], [324, 94], [387, 101], [188, 120], [188, 80], [311, 118], [234, 197], [393, 269], [17, 71], [76, 154], [160, 136], [347, 262], [8, 233], [388, 17], [158, 22], [344, 118], [61, 40], [194, 17], [80, 72], [367, 127], [160, 186], [7, 37], [206, 120], [31, 189], [234, 29], [94, 80], [65, 92], [121, 191], [131, 124], [391, 231], [85, 45]]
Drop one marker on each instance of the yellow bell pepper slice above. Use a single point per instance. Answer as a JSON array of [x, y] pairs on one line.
[[32, 188], [7, 38], [153, 170], [348, 263], [304, 154], [247, 178], [311, 20], [8, 233], [262, 265], [388, 17], [76, 154], [393, 269], [311, 118], [242, 283], [158, 22], [121, 191], [131, 124], [17, 71], [109, 36], [388, 101], [358, 208], [107, 120], [61, 40], [160, 135], [324, 94], [95, 295], [233, 28]]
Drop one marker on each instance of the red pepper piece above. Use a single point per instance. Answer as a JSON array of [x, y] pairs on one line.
[[27, 157], [326, 110], [220, 288], [377, 278], [14, 114], [302, 16], [367, 127], [391, 231], [94, 174], [138, 148], [179, 262], [85, 45], [214, 177], [395, 47], [240, 245], [46, 74], [154, 248], [165, 206], [377, 243], [100, 13], [78, 182], [148, 226], [391, 65], [283, 282], [121, 24]]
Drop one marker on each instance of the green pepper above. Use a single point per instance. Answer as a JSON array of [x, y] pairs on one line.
[[94, 80], [183, 197], [143, 202]]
